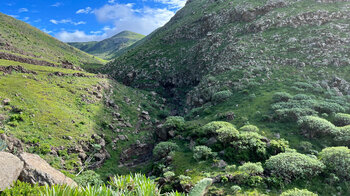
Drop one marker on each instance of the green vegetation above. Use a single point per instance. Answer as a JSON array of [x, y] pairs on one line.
[[24, 41], [111, 47]]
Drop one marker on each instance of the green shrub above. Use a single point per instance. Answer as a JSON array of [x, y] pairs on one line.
[[341, 119], [251, 169], [227, 134], [63, 190], [329, 107], [43, 148], [293, 114], [249, 128], [202, 153], [164, 148], [230, 168], [89, 177], [298, 192], [337, 161], [212, 127], [175, 123], [301, 97], [290, 166], [281, 97], [221, 96], [312, 125], [169, 174], [250, 146], [3, 145], [22, 189], [136, 184], [201, 187], [306, 147], [277, 146], [235, 189]]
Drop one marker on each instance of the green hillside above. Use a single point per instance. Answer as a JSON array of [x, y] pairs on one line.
[[111, 47], [21, 42], [279, 65]]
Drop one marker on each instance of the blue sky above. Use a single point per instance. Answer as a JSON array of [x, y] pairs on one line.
[[88, 20]]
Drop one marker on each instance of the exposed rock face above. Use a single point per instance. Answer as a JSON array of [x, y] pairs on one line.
[[10, 168], [14, 145], [142, 152], [38, 171]]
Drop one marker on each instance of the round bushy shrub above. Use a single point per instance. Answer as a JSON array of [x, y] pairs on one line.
[[164, 148], [281, 97], [221, 96], [341, 119], [227, 134], [175, 123], [249, 128], [250, 146], [89, 177], [290, 166], [202, 153], [312, 125], [298, 192], [251, 169], [342, 135], [337, 160], [277, 146], [212, 127], [329, 107]]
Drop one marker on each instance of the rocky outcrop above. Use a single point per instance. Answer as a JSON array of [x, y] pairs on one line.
[[14, 145], [10, 168], [38, 171], [18, 68], [136, 154]]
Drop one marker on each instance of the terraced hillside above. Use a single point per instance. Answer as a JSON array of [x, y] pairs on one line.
[[111, 47], [21, 42]]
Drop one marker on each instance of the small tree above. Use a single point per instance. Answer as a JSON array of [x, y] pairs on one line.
[[249, 128], [164, 148], [312, 125], [175, 123], [341, 119]]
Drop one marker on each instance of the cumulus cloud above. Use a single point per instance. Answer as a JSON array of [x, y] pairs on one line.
[[21, 10], [123, 17], [76, 36], [84, 11], [66, 21]]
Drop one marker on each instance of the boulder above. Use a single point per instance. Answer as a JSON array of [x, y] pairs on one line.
[[10, 168], [38, 171]]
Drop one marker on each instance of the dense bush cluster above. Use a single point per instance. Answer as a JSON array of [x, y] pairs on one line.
[[249, 128], [337, 161], [341, 119], [175, 123], [312, 125], [290, 166], [292, 108]]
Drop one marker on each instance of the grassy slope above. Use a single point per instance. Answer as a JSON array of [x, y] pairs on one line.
[[53, 107], [110, 47], [19, 38], [252, 86]]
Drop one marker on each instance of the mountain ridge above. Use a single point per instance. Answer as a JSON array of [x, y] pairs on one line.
[[109, 48]]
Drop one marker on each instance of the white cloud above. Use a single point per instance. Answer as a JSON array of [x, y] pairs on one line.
[[58, 4], [26, 18], [66, 21], [124, 17], [46, 31], [173, 4], [22, 10], [76, 36], [14, 16], [84, 11]]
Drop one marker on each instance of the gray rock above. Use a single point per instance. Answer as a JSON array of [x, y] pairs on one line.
[[10, 168], [6, 101], [38, 171]]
